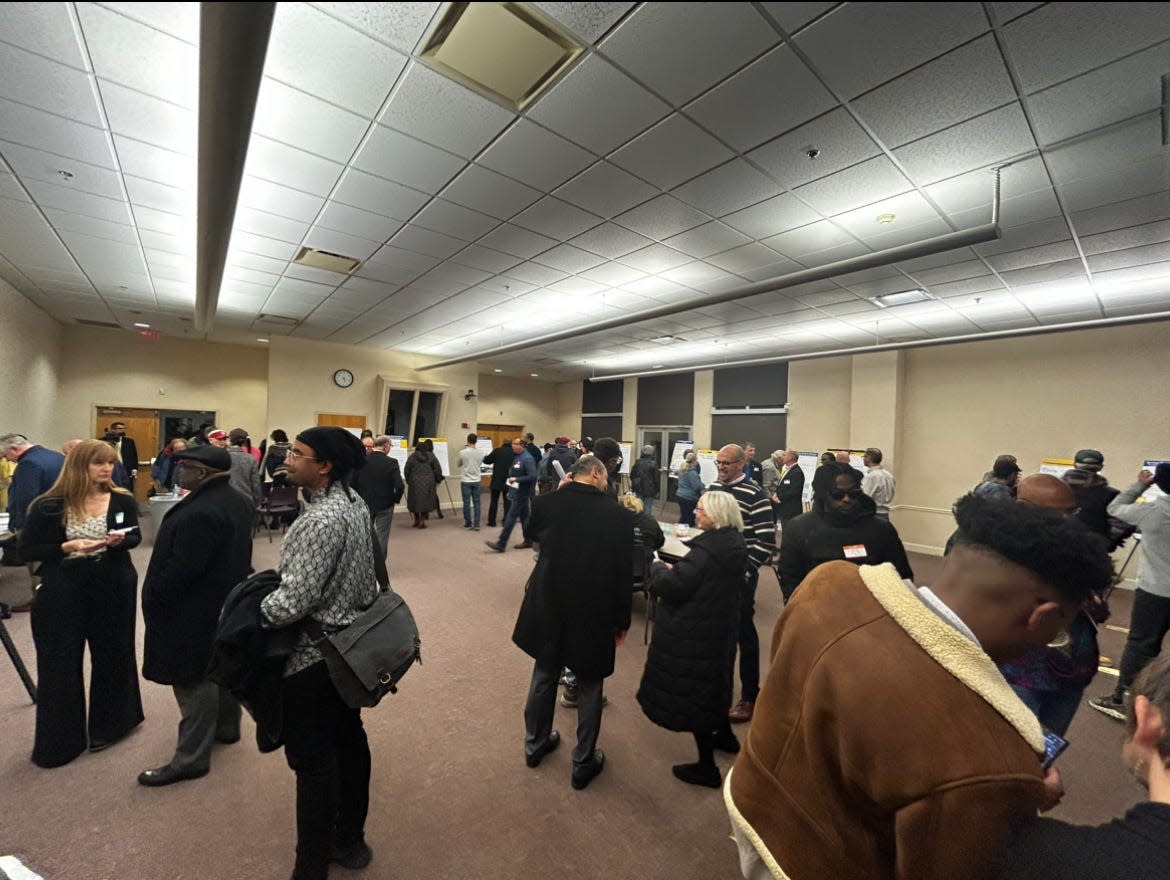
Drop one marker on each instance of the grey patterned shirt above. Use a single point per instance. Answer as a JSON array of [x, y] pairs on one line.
[[326, 569]]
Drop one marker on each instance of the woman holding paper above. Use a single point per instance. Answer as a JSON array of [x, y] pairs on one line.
[[81, 531]]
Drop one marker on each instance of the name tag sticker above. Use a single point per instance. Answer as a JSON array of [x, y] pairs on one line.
[[854, 551], [118, 517]]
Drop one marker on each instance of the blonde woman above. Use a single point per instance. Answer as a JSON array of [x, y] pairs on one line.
[[81, 531], [686, 685]]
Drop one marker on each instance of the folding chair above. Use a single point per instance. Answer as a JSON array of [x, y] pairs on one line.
[[280, 501]]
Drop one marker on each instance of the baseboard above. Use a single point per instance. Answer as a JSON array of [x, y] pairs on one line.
[[924, 549]]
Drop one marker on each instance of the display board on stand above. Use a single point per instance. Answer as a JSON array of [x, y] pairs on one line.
[[681, 447], [1055, 467], [442, 453], [707, 469], [627, 448], [807, 462], [398, 450]]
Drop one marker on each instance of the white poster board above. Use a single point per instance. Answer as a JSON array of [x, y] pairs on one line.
[[681, 447], [442, 453], [1055, 467], [484, 444], [400, 454], [357, 432], [627, 448], [707, 469], [807, 462]]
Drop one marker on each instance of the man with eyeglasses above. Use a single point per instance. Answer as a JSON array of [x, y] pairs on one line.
[[759, 535], [841, 525]]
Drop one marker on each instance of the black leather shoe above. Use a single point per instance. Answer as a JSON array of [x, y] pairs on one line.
[[586, 773], [550, 745], [354, 857], [726, 741], [495, 546], [523, 545], [168, 775], [227, 740]]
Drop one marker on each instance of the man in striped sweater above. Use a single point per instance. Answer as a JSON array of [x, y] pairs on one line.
[[760, 536]]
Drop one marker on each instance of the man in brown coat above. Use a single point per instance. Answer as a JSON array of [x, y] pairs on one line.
[[885, 742]]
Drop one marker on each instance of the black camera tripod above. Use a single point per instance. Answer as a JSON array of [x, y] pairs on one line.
[[14, 655]]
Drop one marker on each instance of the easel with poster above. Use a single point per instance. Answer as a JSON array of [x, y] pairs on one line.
[[707, 469], [1056, 467], [484, 445], [627, 448], [398, 451], [443, 454], [681, 448], [807, 462]]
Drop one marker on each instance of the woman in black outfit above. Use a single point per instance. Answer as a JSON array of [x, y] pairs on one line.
[[88, 594], [687, 682]]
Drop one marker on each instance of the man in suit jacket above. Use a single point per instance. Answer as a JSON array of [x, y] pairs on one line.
[[576, 609], [127, 450], [380, 484], [203, 549], [789, 494], [500, 459]]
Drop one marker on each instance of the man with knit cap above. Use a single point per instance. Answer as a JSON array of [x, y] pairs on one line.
[[1094, 495], [326, 574]]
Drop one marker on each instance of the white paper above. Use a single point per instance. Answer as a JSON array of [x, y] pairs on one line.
[[627, 448], [681, 447], [442, 453]]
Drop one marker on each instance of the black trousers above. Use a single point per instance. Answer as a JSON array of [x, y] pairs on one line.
[[748, 638], [495, 503], [325, 745], [80, 602], [1148, 624]]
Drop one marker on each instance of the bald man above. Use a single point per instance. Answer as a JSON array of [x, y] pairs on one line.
[[1045, 490]]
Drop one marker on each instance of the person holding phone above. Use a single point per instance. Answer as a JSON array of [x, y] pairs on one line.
[[81, 531], [1134, 847]]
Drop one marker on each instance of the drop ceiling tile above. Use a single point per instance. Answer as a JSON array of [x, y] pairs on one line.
[[280, 163], [400, 25], [575, 286], [710, 238], [841, 143], [994, 137], [308, 123], [34, 128], [423, 241], [794, 16], [1101, 97], [1062, 40], [38, 82], [946, 274], [1107, 152], [656, 258], [1133, 236], [1045, 274], [610, 240], [319, 55], [485, 258], [159, 196], [557, 219], [569, 259], [967, 82], [178, 244], [762, 273], [355, 221], [728, 188], [30, 164], [862, 184], [140, 57], [516, 241], [155, 163], [99, 256], [909, 210], [339, 243], [661, 218], [489, 192], [534, 273], [771, 96], [454, 220], [385, 197], [861, 45], [265, 247], [276, 199], [745, 258], [395, 156], [671, 152], [598, 106], [236, 273], [270, 225], [308, 289], [605, 190], [1143, 178], [613, 275], [771, 217], [149, 119], [535, 156], [682, 49], [239, 257], [808, 239], [179, 20], [44, 28], [590, 21], [1034, 256], [91, 226], [1130, 257], [696, 274], [444, 113]]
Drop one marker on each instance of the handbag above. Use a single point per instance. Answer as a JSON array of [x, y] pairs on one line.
[[367, 659]]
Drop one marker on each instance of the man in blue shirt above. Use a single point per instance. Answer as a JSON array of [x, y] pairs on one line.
[[521, 484], [37, 469]]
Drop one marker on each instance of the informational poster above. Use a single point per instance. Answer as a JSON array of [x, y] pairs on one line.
[[807, 462], [442, 453], [484, 445], [357, 432], [1056, 466], [627, 447], [707, 469], [1153, 492], [681, 447], [399, 451]]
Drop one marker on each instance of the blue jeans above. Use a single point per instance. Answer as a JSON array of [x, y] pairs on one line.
[[470, 493], [647, 504], [517, 511], [1054, 709]]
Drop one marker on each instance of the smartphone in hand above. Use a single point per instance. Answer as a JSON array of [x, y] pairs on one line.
[[1054, 746]]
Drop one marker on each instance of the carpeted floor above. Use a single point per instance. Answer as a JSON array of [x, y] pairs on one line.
[[450, 796]]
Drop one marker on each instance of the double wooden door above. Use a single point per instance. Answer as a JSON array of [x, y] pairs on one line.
[[142, 426]]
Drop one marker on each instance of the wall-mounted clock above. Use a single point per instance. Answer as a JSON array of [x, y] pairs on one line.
[[343, 378]]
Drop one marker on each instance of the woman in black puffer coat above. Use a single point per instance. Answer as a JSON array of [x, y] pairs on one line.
[[687, 682]]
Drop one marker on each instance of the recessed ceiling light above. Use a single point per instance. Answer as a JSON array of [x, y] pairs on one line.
[[497, 370], [901, 298], [67, 175], [534, 375], [885, 218], [140, 324], [261, 339]]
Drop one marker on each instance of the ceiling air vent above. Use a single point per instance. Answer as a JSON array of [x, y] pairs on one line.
[[278, 320], [324, 260], [507, 52], [89, 323]]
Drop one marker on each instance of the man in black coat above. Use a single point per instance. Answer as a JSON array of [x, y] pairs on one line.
[[127, 451], [380, 484], [500, 459], [203, 549], [789, 494], [576, 609]]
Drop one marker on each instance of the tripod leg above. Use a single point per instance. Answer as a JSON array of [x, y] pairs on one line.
[[14, 656]]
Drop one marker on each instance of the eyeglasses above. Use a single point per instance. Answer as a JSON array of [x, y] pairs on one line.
[[700, 509], [842, 494], [719, 463], [297, 455]]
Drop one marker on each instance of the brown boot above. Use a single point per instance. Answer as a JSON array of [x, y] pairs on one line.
[[423, 523], [415, 520]]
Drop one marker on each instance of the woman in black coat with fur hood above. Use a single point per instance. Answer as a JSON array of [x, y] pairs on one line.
[[687, 682]]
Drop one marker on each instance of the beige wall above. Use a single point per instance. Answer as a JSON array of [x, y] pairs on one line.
[[875, 412], [30, 369], [569, 405], [508, 400], [116, 368], [704, 400], [820, 396]]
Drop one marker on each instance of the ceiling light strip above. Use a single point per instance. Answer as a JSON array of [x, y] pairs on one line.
[[1093, 324], [938, 244]]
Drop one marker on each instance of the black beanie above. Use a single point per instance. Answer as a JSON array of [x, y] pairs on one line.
[[337, 446]]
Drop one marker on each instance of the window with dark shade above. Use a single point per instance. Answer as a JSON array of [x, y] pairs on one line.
[[763, 385], [602, 397], [666, 400]]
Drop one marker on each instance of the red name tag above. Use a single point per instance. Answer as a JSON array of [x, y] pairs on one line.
[[854, 551]]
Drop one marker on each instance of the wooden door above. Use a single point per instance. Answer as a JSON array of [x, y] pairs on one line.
[[142, 428], [499, 434], [341, 420]]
